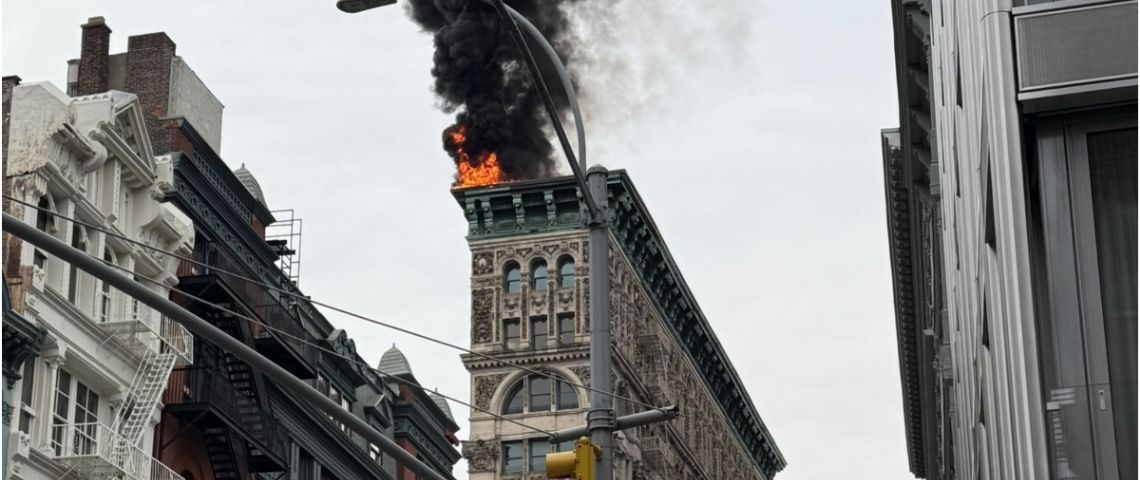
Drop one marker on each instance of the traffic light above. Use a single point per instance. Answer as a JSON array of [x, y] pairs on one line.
[[578, 464]]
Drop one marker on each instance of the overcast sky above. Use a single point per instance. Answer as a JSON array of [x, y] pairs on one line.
[[750, 128]]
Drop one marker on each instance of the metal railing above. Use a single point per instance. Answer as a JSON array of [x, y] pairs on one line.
[[142, 328], [94, 451], [211, 387], [270, 307]]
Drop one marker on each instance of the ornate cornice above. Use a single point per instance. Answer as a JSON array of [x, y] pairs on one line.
[[523, 356]]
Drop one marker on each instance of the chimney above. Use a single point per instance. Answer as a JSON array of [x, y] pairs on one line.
[[149, 62], [94, 50]]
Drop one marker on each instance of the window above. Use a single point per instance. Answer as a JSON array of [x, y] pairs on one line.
[[513, 457], [538, 450], [512, 278], [514, 403], [45, 222], [75, 401], [79, 242], [538, 275], [538, 393], [566, 272], [511, 332], [1086, 207], [566, 329], [538, 332], [567, 399], [27, 389], [375, 453], [105, 294]]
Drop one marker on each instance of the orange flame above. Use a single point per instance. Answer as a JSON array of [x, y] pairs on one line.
[[483, 171]]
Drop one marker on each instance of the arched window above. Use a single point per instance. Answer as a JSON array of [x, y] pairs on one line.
[[514, 403], [539, 393], [566, 272], [512, 278], [538, 275]]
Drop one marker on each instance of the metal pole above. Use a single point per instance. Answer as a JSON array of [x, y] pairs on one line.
[[621, 423], [547, 101], [563, 75], [214, 335], [599, 420]]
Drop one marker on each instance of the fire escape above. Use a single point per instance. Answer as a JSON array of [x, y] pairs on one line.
[[221, 396], [95, 451]]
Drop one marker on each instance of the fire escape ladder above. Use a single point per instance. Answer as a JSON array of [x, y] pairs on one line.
[[224, 457], [142, 397]]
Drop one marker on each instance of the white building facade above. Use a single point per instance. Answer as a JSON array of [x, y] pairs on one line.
[[87, 406], [1011, 195]]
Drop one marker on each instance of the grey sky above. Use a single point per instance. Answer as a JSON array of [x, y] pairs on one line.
[[754, 144]]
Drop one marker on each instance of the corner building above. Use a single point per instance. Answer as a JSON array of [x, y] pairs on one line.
[[529, 307], [1011, 207]]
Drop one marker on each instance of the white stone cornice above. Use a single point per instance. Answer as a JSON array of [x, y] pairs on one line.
[[138, 171]]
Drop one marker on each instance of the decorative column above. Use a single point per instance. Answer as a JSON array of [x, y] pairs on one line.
[[41, 434]]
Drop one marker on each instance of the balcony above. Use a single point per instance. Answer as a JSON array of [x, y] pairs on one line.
[[277, 342], [141, 328], [93, 451], [211, 401]]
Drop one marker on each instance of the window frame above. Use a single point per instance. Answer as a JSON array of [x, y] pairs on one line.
[[512, 278], [505, 457], [539, 282], [539, 334], [84, 439], [1070, 320], [563, 262], [512, 341], [564, 320]]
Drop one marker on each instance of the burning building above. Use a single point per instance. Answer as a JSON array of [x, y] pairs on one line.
[[529, 306]]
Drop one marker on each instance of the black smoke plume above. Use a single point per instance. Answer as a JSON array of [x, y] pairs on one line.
[[481, 76]]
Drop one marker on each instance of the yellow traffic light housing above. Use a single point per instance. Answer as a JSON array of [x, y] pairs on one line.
[[578, 464]]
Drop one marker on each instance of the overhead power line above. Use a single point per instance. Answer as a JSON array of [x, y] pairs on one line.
[[334, 308], [317, 345]]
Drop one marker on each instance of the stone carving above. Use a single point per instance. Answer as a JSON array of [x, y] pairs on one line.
[[482, 314], [481, 455], [482, 263], [583, 374], [484, 388]]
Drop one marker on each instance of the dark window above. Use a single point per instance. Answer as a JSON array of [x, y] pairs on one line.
[[512, 278], [27, 389], [44, 220], [539, 394], [538, 332], [515, 398], [538, 275], [79, 243], [512, 457], [39, 259], [105, 292], [567, 399], [538, 450], [566, 273], [565, 329], [511, 332]]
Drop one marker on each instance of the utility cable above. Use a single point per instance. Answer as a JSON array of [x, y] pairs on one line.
[[295, 338], [334, 308]]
